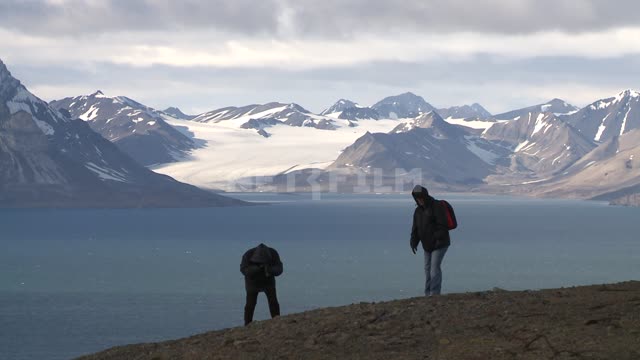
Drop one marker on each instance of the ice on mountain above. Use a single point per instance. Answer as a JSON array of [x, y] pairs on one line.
[[90, 114], [601, 128], [521, 145], [624, 122], [540, 123]]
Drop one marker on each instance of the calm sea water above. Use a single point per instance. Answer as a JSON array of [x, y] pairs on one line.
[[78, 281]]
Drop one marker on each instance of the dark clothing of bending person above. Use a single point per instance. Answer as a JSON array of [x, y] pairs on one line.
[[260, 266]]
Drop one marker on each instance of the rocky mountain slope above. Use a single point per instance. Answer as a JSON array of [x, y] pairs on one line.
[[542, 144], [403, 106], [50, 160], [176, 113], [609, 172], [590, 322], [610, 117], [555, 106], [138, 130], [348, 110], [339, 107], [474, 111], [445, 153]]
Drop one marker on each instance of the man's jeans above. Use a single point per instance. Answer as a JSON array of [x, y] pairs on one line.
[[433, 271]]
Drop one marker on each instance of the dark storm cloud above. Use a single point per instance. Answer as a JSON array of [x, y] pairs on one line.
[[326, 18], [492, 16], [79, 17]]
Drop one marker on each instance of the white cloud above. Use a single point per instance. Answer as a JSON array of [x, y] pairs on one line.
[[214, 49]]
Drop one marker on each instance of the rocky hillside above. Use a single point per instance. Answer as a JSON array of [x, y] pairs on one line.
[[592, 322]]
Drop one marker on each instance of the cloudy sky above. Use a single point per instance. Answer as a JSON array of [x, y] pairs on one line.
[[201, 55]]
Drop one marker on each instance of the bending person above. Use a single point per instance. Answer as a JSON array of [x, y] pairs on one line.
[[260, 266]]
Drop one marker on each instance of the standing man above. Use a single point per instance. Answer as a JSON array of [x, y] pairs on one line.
[[430, 229], [260, 266]]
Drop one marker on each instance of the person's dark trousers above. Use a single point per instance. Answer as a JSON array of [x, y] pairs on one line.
[[252, 300]]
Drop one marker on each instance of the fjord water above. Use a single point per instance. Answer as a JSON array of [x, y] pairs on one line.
[[78, 281]]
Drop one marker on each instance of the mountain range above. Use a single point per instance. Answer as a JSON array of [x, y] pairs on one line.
[[551, 149], [48, 159], [288, 114]]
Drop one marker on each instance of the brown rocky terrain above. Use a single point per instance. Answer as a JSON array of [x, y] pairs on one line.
[[591, 322]]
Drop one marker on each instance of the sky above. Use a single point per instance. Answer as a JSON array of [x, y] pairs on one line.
[[203, 55]]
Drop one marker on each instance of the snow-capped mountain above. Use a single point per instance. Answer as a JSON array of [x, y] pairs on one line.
[[177, 113], [542, 143], [474, 111], [445, 153], [528, 152], [49, 160], [339, 107], [348, 110], [431, 120], [555, 106], [289, 114], [138, 130], [407, 105], [610, 117]]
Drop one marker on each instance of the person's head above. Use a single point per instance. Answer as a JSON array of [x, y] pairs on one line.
[[420, 195]]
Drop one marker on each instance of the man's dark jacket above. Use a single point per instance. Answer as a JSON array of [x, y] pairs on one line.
[[260, 266], [429, 222]]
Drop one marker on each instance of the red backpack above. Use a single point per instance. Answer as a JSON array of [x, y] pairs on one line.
[[452, 223]]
